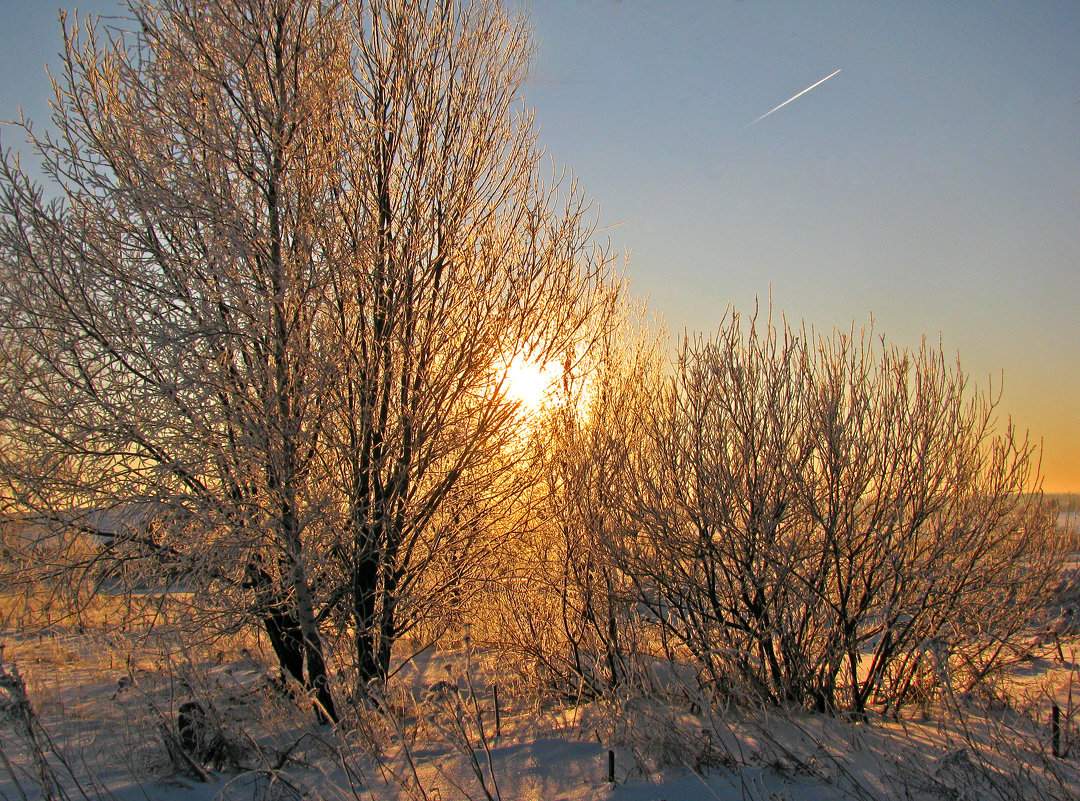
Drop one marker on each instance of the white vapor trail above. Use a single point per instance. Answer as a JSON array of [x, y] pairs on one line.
[[796, 97]]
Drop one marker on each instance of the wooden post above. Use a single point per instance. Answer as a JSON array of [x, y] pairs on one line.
[[611, 766], [1055, 730]]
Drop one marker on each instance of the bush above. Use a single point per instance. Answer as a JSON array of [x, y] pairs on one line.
[[823, 520]]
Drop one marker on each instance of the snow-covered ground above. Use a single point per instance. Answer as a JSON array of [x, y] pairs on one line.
[[101, 714], [105, 726]]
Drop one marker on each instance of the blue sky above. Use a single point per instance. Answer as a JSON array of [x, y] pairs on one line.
[[934, 182]]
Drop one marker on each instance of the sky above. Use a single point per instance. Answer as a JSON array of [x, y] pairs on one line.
[[932, 184]]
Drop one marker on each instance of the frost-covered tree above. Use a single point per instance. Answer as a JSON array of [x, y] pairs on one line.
[[284, 254], [831, 521]]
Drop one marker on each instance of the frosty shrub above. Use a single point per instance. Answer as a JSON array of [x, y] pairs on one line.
[[821, 520], [562, 605]]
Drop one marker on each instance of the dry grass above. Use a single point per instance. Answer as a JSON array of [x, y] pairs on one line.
[[110, 696]]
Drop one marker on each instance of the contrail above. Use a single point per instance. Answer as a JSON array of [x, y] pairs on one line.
[[796, 97]]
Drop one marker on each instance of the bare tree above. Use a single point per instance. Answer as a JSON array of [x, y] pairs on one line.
[[820, 520], [293, 244], [472, 260]]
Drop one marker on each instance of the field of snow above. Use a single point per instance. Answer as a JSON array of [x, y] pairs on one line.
[[89, 712], [100, 721]]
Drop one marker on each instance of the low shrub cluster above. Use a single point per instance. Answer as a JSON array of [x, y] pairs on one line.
[[826, 521]]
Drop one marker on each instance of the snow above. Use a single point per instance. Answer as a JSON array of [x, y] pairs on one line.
[[108, 715], [105, 705]]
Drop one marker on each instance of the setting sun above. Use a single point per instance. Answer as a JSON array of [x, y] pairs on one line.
[[528, 384]]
